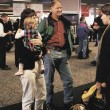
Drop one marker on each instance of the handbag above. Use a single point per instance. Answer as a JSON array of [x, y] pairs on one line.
[[99, 104]]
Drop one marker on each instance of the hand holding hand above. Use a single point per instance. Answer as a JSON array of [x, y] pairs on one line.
[[36, 42]]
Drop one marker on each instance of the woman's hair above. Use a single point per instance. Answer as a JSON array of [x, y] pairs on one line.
[[30, 23], [26, 13], [53, 3], [106, 9]]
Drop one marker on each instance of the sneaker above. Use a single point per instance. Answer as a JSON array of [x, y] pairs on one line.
[[93, 63], [5, 68]]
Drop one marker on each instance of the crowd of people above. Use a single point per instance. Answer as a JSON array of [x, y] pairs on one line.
[[42, 48]]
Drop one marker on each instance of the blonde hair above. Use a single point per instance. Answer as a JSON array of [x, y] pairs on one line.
[[30, 23]]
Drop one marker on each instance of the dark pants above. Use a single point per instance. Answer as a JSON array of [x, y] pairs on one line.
[[2, 52]]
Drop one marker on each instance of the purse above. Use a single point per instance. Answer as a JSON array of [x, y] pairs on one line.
[[99, 104]]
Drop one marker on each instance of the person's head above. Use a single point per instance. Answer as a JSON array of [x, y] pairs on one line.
[[30, 23], [99, 12], [27, 13], [82, 19], [4, 17], [106, 14], [56, 8]]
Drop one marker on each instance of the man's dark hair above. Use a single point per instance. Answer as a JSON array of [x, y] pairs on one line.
[[4, 15], [26, 13]]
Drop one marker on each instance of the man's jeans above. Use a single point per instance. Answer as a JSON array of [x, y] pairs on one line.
[[83, 46], [58, 59]]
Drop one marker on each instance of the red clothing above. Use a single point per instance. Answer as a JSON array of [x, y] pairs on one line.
[[57, 39]]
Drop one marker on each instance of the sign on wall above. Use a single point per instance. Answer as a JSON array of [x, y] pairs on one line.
[[18, 8], [85, 10]]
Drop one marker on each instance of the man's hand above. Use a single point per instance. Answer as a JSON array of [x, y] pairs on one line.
[[96, 26], [98, 85], [9, 32], [36, 42]]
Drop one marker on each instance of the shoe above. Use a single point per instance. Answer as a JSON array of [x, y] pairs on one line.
[[2, 66], [89, 51], [6, 65], [5, 68], [93, 63], [85, 58], [68, 106], [95, 45], [50, 106]]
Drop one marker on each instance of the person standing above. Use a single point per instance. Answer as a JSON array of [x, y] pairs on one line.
[[99, 27], [33, 83], [57, 37], [82, 32], [103, 58], [5, 30]]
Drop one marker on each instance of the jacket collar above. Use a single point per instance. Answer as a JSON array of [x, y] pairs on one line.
[[62, 18]]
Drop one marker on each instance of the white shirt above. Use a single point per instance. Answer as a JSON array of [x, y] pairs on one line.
[[2, 34]]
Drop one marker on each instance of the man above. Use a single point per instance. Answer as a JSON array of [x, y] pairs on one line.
[[99, 27], [4, 32], [56, 35], [82, 32]]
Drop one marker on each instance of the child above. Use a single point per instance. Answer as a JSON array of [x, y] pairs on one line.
[[30, 32]]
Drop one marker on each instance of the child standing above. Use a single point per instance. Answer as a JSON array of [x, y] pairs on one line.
[[30, 32]]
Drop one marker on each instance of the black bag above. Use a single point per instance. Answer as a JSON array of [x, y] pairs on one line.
[[99, 104]]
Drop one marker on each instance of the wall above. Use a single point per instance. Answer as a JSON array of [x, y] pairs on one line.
[[72, 6]]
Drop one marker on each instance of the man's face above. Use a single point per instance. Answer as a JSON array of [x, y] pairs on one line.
[[99, 12], [57, 9], [5, 19]]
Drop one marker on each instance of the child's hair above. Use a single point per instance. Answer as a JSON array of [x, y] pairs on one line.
[[30, 23]]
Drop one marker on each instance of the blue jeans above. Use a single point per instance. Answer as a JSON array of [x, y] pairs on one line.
[[83, 46], [58, 60]]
